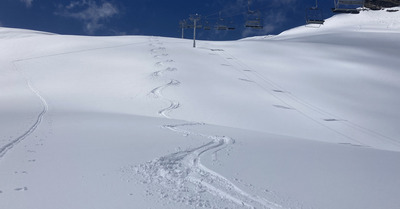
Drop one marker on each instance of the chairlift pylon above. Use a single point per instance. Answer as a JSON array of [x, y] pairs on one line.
[[314, 15], [348, 6], [253, 19]]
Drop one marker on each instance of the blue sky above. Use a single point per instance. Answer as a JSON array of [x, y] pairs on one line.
[[152, 17]]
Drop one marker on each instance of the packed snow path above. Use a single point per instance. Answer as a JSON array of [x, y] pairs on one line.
[[12, 143], [181, 175]]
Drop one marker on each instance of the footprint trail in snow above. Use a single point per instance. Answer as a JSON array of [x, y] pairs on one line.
[[181, 177]]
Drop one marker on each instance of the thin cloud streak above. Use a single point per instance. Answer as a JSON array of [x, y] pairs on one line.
[[28, 3]]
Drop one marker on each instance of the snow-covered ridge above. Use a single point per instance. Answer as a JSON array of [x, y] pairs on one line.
[[375, 21], [369, 21], [8, 33]]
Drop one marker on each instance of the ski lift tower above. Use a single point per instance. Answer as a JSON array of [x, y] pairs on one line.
[[183, 25], [195, 18]]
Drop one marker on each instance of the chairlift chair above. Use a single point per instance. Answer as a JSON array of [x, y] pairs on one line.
[[231, 26], [255, 24], [222, 25], [348, 6], [253, 19], [206, 25], [207, 28], [314, 15], [198, 26]]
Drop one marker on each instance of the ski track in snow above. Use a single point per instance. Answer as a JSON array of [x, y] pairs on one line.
[[316, 114], [180, 176], [4, 149], [173, 104]]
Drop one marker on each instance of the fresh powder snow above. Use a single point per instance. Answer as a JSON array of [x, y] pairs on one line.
[[307, 119]]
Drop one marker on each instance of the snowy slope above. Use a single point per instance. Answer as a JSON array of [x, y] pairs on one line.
[[305, 119]]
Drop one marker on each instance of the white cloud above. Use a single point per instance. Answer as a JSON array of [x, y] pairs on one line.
[[90, 12], [28, 3]]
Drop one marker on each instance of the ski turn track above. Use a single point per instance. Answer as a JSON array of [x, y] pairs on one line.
[[173, 104], [4, 149], [181, 177]]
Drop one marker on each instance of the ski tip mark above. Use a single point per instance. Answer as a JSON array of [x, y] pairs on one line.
[[156, 73], [156, 92], [158, 49], [21, 189], [170, 69], [332, 120], [353, 145], [160, 72], [160, 55], [174, 83], [246, 80], [159, 64], [283, 107], [162, 63]]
